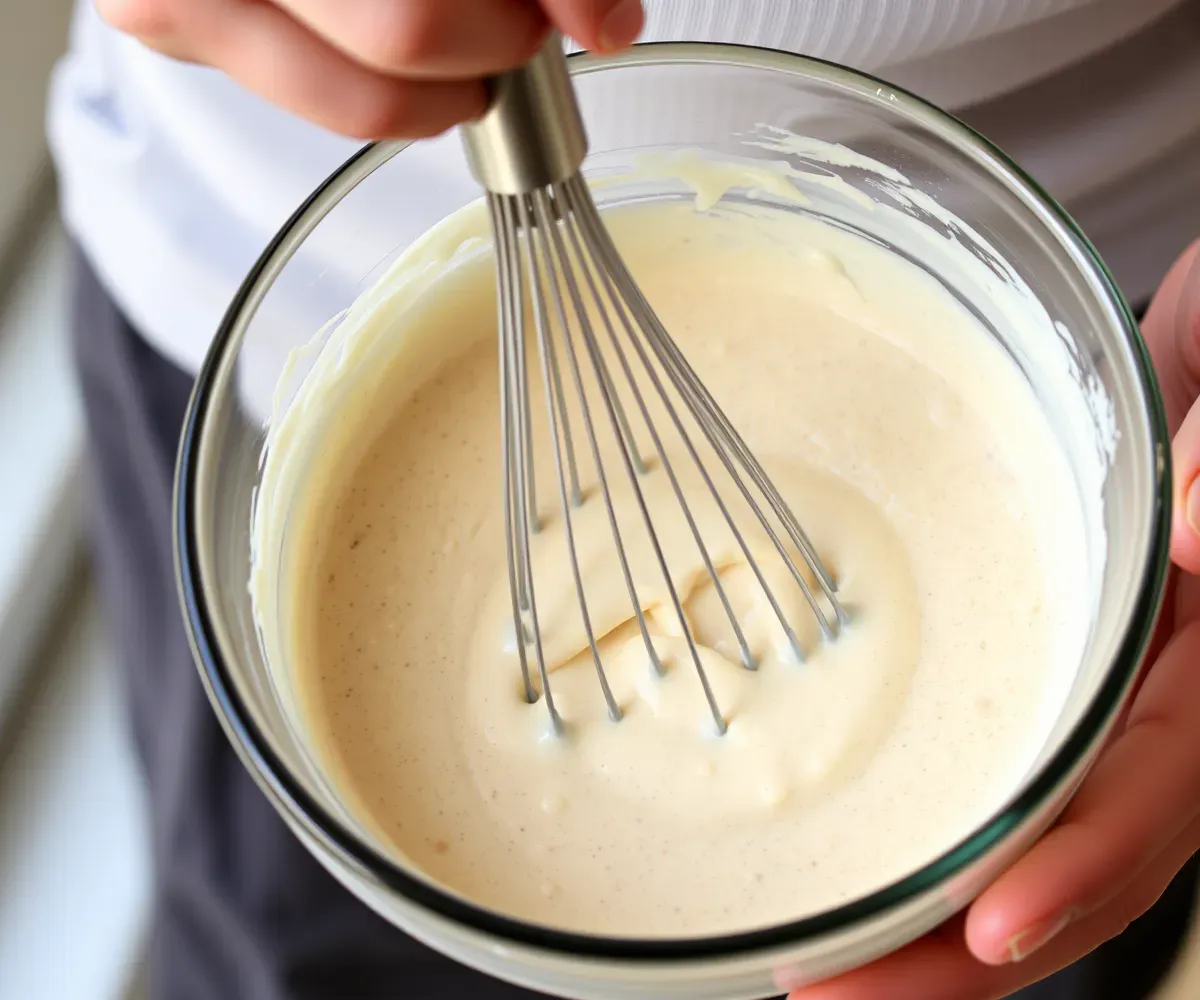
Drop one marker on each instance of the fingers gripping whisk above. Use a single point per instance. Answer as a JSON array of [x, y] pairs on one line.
[[576, 330], [596, 342]]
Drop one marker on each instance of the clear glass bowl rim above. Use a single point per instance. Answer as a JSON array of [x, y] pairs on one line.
[[270, 771]]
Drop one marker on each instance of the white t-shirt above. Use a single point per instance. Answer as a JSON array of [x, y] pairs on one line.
[[173, 179]]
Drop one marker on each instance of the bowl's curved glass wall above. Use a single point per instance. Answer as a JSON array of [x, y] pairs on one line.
[[723, 103]]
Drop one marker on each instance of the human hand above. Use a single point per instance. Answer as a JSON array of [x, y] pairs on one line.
[[370, 69], [1136, 819]]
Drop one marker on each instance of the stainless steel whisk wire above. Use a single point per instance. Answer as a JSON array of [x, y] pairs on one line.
[[553, 251]]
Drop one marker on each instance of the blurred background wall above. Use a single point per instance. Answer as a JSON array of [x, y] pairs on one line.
[[74, 871]]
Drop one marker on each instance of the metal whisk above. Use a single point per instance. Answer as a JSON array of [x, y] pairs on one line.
[[554, 253]]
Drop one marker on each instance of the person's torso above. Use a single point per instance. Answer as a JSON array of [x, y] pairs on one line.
[[174, 178]]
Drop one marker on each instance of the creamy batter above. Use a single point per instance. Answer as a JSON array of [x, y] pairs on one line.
[[913, 453]]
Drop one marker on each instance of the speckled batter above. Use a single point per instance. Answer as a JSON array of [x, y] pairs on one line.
[[911, 450]]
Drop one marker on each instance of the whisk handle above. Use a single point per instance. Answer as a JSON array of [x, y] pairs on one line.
[[532, 134]]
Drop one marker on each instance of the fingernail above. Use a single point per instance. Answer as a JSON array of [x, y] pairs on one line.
[[621, 26], [1021, 946], [1191, 507]]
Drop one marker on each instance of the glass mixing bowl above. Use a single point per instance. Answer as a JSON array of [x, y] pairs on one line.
[[707, 98]]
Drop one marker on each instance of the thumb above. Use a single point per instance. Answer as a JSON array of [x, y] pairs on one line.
[[1172, 331], [1185, 527], [599, 25]]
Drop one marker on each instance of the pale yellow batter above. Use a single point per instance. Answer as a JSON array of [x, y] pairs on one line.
[[910, 449]]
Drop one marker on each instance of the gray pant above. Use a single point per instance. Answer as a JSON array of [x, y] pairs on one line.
[[242, 911]]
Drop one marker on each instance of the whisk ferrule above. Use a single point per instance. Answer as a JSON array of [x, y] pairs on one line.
[[532, 134]]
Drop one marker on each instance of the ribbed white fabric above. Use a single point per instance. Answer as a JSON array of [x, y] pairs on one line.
[[862, 33], [173, 179]]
